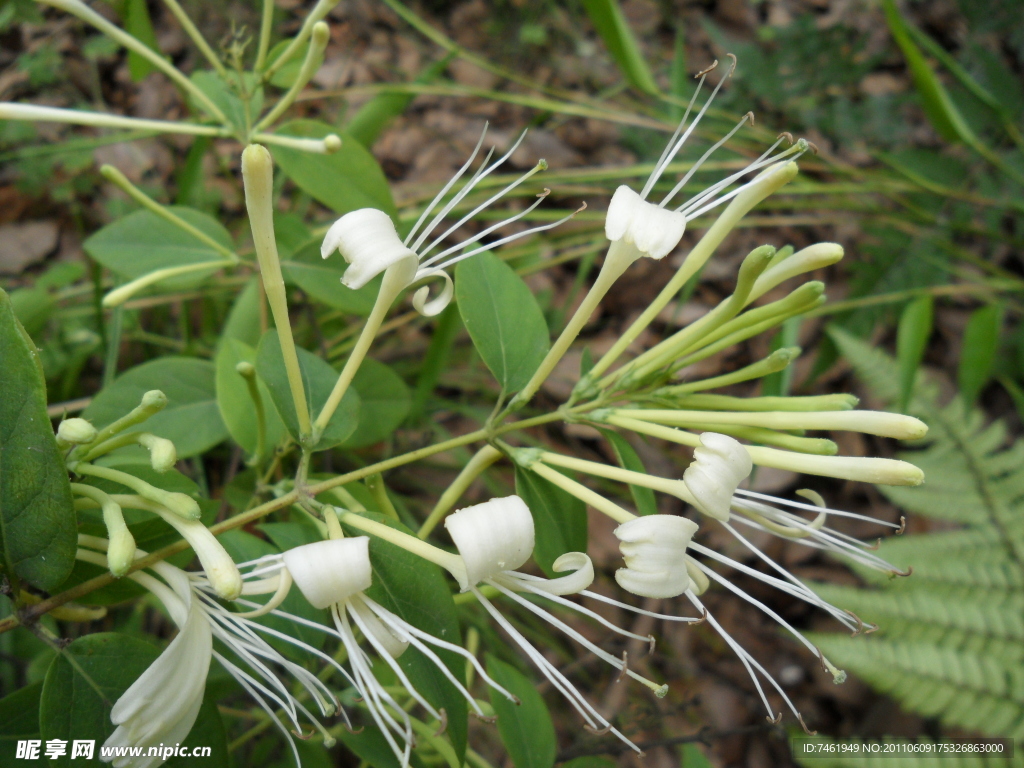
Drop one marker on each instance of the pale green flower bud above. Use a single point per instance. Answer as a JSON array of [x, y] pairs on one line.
[[74, 432]]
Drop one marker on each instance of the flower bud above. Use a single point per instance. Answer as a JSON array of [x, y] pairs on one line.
[[653, 230], [75, 432], [492, 537], [813, 257], [162, 453], [153, 401], [331, 571], [719, 466], [654, 548], [120, 550], [369, 243]]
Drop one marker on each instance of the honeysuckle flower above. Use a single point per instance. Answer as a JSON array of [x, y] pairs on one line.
[[497, 537], [334, 574], [641, 228], [653, 548], [719, 465], [369, 242], [161, 706]]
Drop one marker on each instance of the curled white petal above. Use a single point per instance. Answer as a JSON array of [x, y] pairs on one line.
[[719, 466], [369, 243], [329, 572], [654, 548], [162, 704], [492, 537], [582, 575], [436, 305], [654, 231]]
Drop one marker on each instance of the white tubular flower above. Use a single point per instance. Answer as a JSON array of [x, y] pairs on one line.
[[655, 229], [161, 706], [334, 574], [369, 242], [719, 466], [497, 536], [654, 548]]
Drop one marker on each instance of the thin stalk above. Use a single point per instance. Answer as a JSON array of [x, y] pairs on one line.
[[266, 25], [396, 278], [320, 10], [329, 144], [11, 111], [667, 485], [481, 460], [87, 14], [584, 494], [197, 37], [113, 175], [122, 293], [620, 256], [248, 372], [317, 45], [450, 562]]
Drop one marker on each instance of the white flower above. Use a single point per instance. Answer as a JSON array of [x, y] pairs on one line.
[[653, 548], [643, 228], [161, 706], [496, 537], [369, 242], [719, 466], [334, 574]]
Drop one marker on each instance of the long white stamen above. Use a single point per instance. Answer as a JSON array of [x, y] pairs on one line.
[[466, 189], [594, 649], [558, 680], [481, 235], [703, 158], [449, 185], [659, 167], [510, 238], [417, 638], [240, 678], [521, 584], [641, 611], [696, 121], [714, 189], [813, 508], [483, 206]]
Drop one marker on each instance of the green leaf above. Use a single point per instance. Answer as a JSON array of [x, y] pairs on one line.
[[142, 242], [560, 519], [321, 279], [138, 24], [607, 18], [526, 730], [417, 591], [85, 680], [646, 503], [318, 379], [385, 400], [935, 100], [191, 419], [911, 340], [19, 715], [434, 361], [978, 351], [503, 319], [37, 519], [234, 402], [32, 307], [345, 181], [243, 321]]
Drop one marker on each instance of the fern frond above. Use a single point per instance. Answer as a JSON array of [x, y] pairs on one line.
[[972, 691]]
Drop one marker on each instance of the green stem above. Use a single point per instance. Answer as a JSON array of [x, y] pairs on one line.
[[197, 37], [320, 10], [317, 46], [620, 256], [122, 293], [396, 278], [481, 460], [266, 25]]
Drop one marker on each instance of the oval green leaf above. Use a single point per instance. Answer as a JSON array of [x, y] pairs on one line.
[[912, 335], [318, 379], [978, 351], [37, 518], [143, 242], [385, 401], [321, 279], [503, 319], [526, 730], [347, 180]]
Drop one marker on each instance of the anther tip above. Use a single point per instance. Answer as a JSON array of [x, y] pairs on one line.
[[542, 164], [706, 70]]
